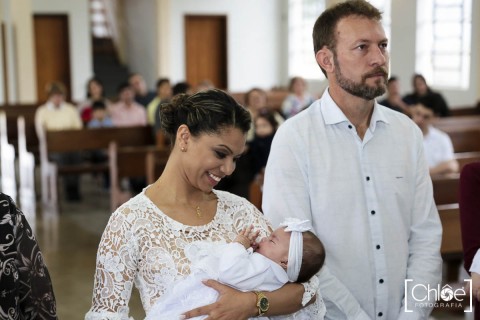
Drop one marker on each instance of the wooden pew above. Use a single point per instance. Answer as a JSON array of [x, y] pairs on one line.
[[465, 158], [448, 124], [128, 162], [27, 111], [465, 140], [445, 188], [83, 140], [465, 110]]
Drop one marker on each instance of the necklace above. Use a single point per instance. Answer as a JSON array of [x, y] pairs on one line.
[[199, 212]]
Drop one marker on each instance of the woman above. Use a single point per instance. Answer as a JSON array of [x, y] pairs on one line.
[[94, 93], [298, 99], [423, 94], [26, 288], [145, 238]]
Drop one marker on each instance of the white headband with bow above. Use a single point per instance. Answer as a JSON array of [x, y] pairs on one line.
[[295, 252]]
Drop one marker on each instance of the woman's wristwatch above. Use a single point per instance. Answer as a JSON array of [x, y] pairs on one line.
[[262, 303]]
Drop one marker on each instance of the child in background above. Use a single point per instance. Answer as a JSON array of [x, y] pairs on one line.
[[290, 254], [100, 118]]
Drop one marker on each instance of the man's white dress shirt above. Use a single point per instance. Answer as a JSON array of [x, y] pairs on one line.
[[370, 202]]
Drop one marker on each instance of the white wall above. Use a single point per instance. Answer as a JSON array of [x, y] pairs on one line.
[[80, 39], [140, 34], [253, 40]]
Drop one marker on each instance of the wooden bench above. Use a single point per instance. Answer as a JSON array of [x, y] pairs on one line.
[[466, 140], [13, 112], [448, 124], [465, 158], [465, 110], [445, 188], [79, 141], [128, 162]]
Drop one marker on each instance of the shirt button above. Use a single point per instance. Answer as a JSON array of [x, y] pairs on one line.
[[368, 178], [378, 246], [380, 314], [381, 281], [372, 212], [350, 126]]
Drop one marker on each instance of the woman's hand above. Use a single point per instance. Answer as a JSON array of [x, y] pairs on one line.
[[231, 304]]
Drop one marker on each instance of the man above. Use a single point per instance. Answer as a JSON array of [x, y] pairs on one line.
[[142, 95], [358, 172], [394, 100], [437, 144], [126, 112]]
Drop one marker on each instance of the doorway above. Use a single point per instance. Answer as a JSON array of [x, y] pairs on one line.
[[206, 50], [52, 53]]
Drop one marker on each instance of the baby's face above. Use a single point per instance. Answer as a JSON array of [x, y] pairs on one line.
[[276, 246]]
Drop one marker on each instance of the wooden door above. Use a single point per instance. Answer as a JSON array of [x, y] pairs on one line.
[[206, 49], [52, 52]]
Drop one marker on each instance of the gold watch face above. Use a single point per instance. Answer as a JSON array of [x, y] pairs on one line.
[[264, 304]]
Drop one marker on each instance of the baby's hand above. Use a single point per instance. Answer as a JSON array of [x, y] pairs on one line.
[[247, 237]]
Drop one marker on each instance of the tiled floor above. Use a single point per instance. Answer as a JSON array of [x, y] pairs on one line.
[[69, 242]]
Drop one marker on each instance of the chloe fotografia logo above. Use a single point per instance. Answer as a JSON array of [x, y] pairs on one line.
[[424, 295]]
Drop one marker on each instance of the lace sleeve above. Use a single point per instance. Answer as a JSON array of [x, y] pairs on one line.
[[116, 268], [311, 288]]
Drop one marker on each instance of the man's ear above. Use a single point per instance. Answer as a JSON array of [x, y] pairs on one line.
[[324, 59]]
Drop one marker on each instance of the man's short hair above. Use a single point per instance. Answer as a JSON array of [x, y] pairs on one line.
[[326, 24]]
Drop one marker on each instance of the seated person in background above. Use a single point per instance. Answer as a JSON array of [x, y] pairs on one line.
[[204, 85], [56, 115], [25, 283], [182, 87], [164, 94], [298, 99], [394, 100], [469, 203], [100, 117], [94, 93], [255, 102], [437, 144], [126, 112], [422, 92], [291, 253], [143, 96], [265, 128]]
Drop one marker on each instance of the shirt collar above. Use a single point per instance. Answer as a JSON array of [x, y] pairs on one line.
[[332, 114], [50, 106]]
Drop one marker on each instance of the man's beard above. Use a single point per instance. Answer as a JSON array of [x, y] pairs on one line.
[[362, 89]]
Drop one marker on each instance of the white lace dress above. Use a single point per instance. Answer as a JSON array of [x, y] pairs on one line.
[[143, 246]]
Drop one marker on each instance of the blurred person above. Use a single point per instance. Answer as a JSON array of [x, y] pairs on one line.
[[298, 98], [437, 144], [143, 95], [182, 87], [265, 128], [164, 94], [100, 117], [94, 93], [393, 99], [57, 115], [26, 287], [421, 91], [126, 112]]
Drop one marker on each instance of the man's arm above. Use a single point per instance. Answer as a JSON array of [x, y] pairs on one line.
[[444, 167], [424, 262]]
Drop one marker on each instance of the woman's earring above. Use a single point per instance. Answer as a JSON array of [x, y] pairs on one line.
[[183, 149]]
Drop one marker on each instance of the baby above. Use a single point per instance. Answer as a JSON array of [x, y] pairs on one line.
[[290, 254]]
